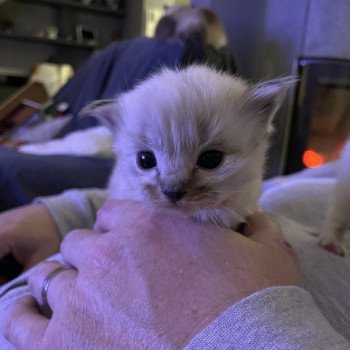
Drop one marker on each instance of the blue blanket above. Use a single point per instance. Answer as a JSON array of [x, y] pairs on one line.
[[24, 176]]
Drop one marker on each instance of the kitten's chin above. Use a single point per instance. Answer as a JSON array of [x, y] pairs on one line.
[[218, 215], [211, 214], [187, 207], [182, 206]]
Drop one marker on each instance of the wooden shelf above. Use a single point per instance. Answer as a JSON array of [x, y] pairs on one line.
[[47, 41], [65, 15], [75, 5]]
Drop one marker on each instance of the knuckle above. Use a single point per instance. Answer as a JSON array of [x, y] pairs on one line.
[[71, 236], [33, 274], [123, 211], [41, 270], [110, 208], [104, 253], [9, 326]]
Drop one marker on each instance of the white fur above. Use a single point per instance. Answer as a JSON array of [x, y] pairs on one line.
[[338, 214], [179, 114], [89, 142]]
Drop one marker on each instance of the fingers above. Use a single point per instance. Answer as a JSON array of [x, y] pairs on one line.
[[77, 246], [263, 229], [25, 322], [59, 286], [115, 214]]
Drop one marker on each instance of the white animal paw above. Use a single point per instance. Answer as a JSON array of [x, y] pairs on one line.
[[332, 245]]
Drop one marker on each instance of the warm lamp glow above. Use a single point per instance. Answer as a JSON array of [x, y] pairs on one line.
[[311, 159]]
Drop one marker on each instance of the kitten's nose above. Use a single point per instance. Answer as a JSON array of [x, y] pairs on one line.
[[174, 196]]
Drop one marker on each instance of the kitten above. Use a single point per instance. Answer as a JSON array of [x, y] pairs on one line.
[[187, 23], [193, 140], [338, 217]]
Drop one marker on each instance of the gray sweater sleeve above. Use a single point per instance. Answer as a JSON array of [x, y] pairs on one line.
[[74, 208], [277, 318], [274, 318]]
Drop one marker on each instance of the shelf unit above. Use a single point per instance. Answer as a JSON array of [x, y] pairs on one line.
[[45, 41], [61, 6], [75, 5], [28, 41]]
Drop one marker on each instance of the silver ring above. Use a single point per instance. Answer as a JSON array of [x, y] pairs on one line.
[[46, 284]]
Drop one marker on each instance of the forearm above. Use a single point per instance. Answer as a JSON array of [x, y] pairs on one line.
[[275, 318], [74, 208]]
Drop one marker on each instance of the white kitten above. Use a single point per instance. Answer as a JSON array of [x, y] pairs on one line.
[[193, 140], [338, 213]]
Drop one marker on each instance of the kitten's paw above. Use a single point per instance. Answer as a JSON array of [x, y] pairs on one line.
[[332, 245]]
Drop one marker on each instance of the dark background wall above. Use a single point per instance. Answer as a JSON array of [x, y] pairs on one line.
[[267, 36]]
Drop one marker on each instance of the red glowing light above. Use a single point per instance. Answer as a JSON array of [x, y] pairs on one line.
[[311, 159]]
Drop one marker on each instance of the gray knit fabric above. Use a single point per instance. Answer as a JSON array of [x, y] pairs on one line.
[[274, 319]]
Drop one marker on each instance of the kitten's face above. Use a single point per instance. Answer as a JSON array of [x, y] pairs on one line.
[[189, 140]]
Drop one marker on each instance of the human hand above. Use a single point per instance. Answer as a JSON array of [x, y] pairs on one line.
[[152, 280], [29, 234]]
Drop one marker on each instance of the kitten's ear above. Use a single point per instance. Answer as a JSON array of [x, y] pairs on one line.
[[105, 111], [267, 97]]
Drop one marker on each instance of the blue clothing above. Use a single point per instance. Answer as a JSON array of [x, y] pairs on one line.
[[24, 176], [116, 69]]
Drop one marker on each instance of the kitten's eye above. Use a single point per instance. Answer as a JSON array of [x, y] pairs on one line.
[[210, 159], [146, 159]]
